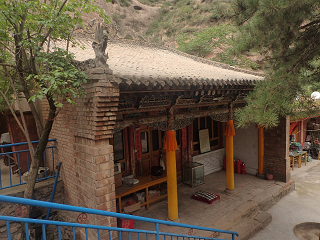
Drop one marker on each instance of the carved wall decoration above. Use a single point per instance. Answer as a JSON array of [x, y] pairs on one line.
[[193, 109], [99, 46], [185, 101], [220, 117], [183, 122], [133, 115], [126, 104], [207, 99], [155, 102], [162, 126]]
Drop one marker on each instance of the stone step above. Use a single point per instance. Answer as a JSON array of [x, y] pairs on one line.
[[250, 217], [247, 227]]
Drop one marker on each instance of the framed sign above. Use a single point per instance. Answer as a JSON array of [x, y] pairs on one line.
[[204, 141]]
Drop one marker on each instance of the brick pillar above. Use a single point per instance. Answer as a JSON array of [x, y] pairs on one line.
[[276, 151], [83, 134]]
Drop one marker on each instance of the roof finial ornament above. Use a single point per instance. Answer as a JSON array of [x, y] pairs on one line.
[[99, 46]]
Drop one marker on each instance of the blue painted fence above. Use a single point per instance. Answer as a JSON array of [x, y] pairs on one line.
[[8, 179], [123, 233]]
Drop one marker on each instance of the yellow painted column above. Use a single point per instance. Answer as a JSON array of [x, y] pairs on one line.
[[229, 132], [260, 150], [170, 144]]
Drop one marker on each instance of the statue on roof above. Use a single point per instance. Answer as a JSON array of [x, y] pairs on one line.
[[99, 46]]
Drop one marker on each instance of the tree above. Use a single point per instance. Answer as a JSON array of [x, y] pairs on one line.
[[31, 68], [287, 34]]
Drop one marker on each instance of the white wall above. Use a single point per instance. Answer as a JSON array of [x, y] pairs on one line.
[[212, 161], [245, 144]]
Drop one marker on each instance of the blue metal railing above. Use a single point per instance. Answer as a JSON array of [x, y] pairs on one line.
[[132, 233], [6, 172]]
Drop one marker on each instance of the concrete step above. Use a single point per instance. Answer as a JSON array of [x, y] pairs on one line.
[[250, 217], [248, 227]]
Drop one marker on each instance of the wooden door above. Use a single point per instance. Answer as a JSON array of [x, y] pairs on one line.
[[150, 148]]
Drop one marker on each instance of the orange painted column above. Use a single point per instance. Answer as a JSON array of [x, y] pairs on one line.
[[170, 144], [260, 150], [229, 132]]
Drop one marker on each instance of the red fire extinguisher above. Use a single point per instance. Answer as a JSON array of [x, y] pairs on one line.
[[238, 166], [243, 168], [224, 163]]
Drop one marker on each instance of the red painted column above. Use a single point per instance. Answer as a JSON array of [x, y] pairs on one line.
[[189, 142], [132, 156]]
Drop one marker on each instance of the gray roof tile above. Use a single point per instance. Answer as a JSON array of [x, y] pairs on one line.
[[127, 59]]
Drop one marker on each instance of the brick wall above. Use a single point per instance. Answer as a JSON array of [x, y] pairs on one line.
[[276, 151], [83, 132]]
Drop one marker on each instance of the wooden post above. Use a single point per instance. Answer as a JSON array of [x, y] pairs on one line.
[[260, 150]]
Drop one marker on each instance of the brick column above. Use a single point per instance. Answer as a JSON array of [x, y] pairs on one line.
[[276, 151], [83, 134]]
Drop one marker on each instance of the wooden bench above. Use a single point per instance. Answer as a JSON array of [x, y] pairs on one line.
[[144, 183]]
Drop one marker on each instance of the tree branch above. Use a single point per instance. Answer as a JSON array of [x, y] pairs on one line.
[[50, 29], [8, 65], [32, 57], [23, 128], [9, 20]]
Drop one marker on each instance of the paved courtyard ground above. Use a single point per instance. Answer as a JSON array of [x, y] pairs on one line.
[[301, 205]]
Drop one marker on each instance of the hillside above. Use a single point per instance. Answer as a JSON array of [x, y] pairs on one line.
[[172, 23]]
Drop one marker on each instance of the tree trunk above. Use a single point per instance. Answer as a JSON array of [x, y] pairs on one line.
[[39, 152]]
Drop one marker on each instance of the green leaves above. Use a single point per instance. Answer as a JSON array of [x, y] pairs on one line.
[[58, 77], [27, 27], [286, 33]]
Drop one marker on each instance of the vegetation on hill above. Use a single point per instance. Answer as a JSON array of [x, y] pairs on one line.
[[188, 16], [199, 27]]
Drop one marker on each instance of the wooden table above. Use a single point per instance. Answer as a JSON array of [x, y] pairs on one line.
[[144, 183], [298, 155]]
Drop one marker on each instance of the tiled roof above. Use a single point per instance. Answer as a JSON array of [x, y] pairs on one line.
[[132, 60]]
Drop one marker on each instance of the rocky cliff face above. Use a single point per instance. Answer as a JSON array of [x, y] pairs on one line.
[[129, 19]]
